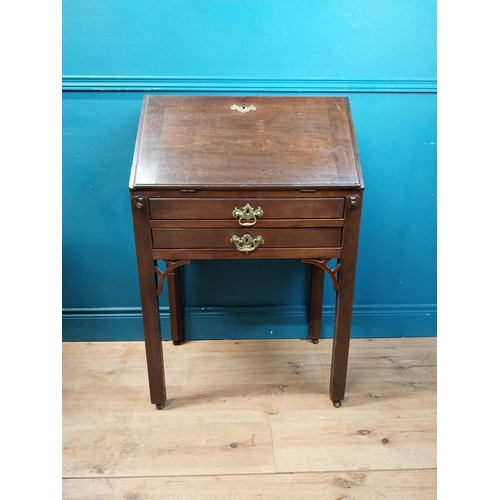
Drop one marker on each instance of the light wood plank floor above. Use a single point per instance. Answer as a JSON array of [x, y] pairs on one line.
[[250, 419]]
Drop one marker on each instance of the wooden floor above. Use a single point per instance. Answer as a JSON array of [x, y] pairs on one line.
[[250, 419]]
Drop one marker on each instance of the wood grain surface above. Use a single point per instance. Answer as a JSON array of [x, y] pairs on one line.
[[250, 418], [202, 141]]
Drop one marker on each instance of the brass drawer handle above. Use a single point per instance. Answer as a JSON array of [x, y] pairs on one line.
[[246, 243], [247, 213]]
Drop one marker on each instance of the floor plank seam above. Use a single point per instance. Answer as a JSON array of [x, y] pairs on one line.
[[315, 472], [274, 448]]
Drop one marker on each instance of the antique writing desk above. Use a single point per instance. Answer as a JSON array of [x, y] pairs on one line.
[[245, 178]]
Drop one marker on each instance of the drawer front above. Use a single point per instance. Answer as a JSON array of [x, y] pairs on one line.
[[325, 237], [222, 209]]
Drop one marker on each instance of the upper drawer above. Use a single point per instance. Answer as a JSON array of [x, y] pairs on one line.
[[271, 208]]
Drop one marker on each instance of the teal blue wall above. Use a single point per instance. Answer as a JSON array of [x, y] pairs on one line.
[[382, 55]]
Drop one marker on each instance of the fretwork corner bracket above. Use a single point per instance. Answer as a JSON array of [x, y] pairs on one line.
[[323, 265], [171, 265]]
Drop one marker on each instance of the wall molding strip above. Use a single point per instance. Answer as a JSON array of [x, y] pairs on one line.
[[254, 85], [373, 321]]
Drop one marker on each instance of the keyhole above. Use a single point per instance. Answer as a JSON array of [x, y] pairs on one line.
[[243, 105]]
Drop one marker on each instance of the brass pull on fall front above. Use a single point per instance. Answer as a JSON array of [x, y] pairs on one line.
[[247, 213], [243, 108], [246, 243]]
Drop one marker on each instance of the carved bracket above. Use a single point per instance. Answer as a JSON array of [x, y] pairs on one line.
[[171, 265], [323, 265]]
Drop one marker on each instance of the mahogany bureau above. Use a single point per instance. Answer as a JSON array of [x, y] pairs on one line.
[[245, 178]]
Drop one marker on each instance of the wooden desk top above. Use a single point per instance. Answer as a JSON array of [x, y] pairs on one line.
[[259, 143]]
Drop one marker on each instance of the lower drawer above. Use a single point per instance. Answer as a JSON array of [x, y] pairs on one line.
[[325, 237]]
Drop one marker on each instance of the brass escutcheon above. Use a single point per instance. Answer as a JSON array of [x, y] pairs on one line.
[[247, 216], [246, 243], [244, 108]]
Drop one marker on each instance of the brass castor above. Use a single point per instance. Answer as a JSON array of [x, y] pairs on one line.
[[337, 404], [315, 341], [160, 406], [177, 342]]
